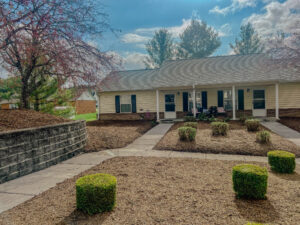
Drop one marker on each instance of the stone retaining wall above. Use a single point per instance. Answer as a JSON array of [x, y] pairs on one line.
[[28, 150]]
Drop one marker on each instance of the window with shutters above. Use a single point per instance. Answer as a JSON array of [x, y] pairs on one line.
[[125, 102], [198, 101]]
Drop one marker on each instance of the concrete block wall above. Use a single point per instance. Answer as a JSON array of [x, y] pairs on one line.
[[28, 150]]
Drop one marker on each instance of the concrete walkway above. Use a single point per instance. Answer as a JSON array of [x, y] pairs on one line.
[[284, 131], [15, 192]]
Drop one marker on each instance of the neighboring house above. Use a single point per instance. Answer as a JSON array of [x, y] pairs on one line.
[[9, 104], [85, 102], [241, 84]]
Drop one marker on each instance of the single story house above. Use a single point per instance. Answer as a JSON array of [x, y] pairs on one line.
[[240, 84], [9, 104], [84, 102]]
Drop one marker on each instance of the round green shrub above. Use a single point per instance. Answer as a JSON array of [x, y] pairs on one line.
[[282, 161], [252, 223], [191, 124], [252, 124], [263, 137], [219, 128], [187, 133], [250, 181], [96, 193]]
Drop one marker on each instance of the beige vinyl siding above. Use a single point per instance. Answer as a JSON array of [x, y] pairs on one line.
[[289, 95], [145, 101]]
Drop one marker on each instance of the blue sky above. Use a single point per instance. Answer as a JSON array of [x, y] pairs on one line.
[[138, 19]]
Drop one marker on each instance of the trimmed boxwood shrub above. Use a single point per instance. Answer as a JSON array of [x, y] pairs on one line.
[[250, 181], [191, 124], [252, 124], [219, 128], [263, 137], [187, 133], [96, 193], [189, 119], [282, 161]]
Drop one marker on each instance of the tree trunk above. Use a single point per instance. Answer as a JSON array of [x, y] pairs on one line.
[[24, 96], [36, 103]]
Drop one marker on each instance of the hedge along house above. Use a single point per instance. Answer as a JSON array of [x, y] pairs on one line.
[[241, 84]]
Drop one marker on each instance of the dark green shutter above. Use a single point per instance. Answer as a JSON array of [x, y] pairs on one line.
[[117, 102], [220, 99], [185, 101], [241, 99], [204, 99], [133, 103]]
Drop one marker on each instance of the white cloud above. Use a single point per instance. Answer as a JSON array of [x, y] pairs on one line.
[[134, 38], [234, 6], [283, 17], [134, 60], [225, 30]]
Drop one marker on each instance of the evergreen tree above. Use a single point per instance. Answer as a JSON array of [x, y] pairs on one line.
[[198, 40], [249, 42], [159, 48]]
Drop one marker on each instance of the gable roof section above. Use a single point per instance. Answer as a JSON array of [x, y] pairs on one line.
[[129, 80], [234, 69]]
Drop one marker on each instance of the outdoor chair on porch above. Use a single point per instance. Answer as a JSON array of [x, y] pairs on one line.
[[221, 111]]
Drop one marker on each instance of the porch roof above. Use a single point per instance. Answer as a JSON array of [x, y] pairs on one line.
[[234, 69]]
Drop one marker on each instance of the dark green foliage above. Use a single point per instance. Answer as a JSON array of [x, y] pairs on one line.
[[250, 42], [202, 117], [187, 133], [191, 124], [212, 119], [198, 40], [252, 124], [250, 181], [219, 128], [282, 161], [159, 48], [263, 137], [226, 119], [243, 119], [189, 119], [96, 193]]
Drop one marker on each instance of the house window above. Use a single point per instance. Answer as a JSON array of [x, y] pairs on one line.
[[125, 102], [227, 100], [198, 101]]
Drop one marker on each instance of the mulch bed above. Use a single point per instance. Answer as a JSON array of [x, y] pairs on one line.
[[114, 134], [238, 141], [166, 191], [20, 119], [291, 122]]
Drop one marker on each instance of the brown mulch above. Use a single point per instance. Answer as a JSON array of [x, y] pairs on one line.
[[291, 122], [114, 134], [20, 119], [238, 141], [166, 191]]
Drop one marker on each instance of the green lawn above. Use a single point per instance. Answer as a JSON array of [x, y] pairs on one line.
[[86, 117]]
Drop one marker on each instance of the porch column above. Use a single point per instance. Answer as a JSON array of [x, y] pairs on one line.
[[194, 101], [233, 103], [157, 105], [276, 101]]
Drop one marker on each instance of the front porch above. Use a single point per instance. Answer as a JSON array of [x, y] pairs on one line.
[[235, 100]]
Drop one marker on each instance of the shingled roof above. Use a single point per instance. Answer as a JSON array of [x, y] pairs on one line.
[[235, 69]]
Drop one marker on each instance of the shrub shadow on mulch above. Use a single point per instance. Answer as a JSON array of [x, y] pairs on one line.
[[262, 210], [292, 177], [79, 218]]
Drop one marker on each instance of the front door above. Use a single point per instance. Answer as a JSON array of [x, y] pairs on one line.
[[170, 112], [259, 103]]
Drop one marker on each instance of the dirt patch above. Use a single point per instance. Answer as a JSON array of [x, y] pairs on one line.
[[166, 191], [291, 122], [114, 134], [238, 141], [20, 119]]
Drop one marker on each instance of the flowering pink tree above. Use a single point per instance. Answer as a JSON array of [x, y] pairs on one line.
[[52, 36]]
